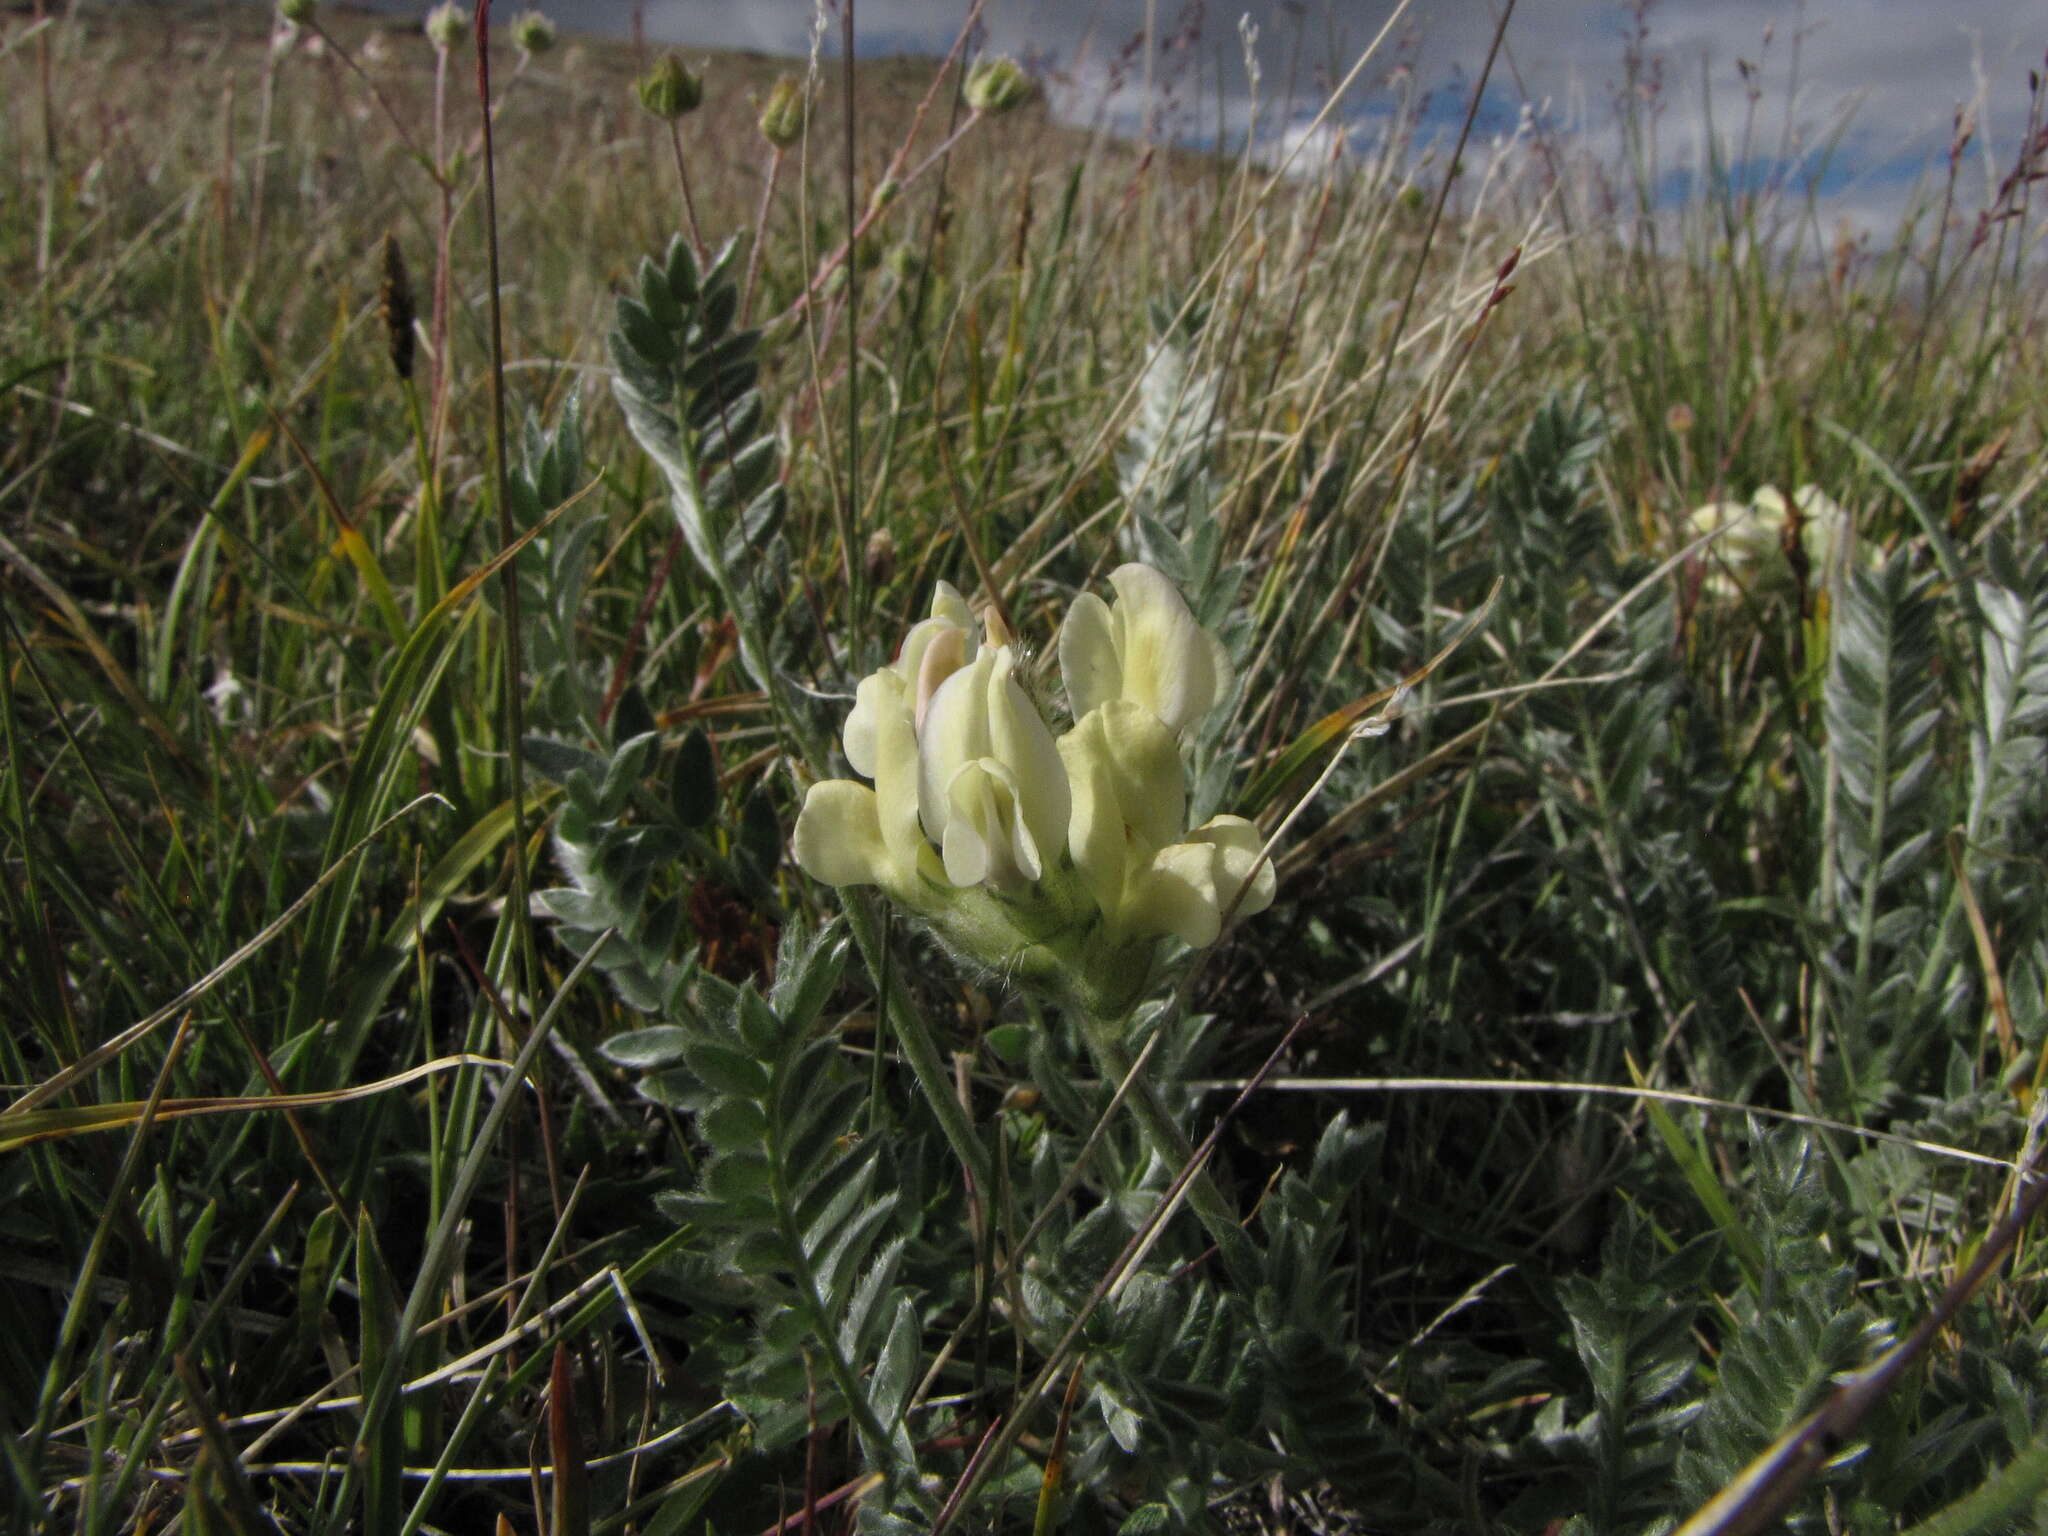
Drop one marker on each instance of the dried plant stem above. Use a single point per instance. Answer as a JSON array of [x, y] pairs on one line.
[[266, 103], [775, 158], [398, 123], [629, 653], [877, 208], [437, 413], [48, 212], [894, 172], [849, 512], [920, 1048], [524, 965]]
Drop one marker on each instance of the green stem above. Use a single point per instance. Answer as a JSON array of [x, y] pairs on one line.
[[921, 1049], [1212, 1207]]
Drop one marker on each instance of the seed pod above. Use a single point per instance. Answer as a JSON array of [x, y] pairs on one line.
[[782, 117], [533, 33], [995, 85], [447, 25], [394, 304], [671, 89]]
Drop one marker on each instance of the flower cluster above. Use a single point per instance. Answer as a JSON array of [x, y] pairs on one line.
[[1059, 861], [1755, 542]]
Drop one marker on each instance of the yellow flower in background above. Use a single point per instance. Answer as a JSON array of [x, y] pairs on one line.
[[1751, 551]]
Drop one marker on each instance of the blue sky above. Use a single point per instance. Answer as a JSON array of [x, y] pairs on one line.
[[1887, 76]]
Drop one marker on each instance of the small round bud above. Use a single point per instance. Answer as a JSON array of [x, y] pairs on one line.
[[671, 89], [782, 116], [447, 26], [879, 559], [533, 33], [296, 12], [997, 84]]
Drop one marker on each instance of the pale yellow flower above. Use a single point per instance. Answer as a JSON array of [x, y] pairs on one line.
[[1148, 650], [1149, 875], [1057, 863], [992, 792], [1751, 551]]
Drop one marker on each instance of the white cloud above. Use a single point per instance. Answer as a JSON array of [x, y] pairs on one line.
[[1899, 68]]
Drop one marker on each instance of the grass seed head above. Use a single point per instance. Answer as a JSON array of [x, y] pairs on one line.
[[394, 304]]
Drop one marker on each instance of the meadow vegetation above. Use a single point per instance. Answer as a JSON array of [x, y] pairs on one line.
[[436, 1098]]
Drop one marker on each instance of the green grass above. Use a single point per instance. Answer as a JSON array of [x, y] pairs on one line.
[[780, 1227]]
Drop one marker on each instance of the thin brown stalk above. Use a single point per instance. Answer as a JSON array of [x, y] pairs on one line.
[[524, 966], [775, 157], [675, 144]]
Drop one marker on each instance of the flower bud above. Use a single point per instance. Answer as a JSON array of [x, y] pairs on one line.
[[783, 114], [995, 85], [447, 25], [671, 89], [879, 557], [533, 32], [296, 12]]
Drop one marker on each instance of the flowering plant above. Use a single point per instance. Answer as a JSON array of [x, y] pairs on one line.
[[1059, 862], [1755, 543]]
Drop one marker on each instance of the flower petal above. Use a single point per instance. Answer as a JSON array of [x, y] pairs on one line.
[[1239, 843], [987, 838], [895, 775], [946, 655], [954, 733], [1095, 823], [839, 837], [1088, 660], [1169, 663], [880, 694], [1189, 886], [1177, 894], [948, 604], [1018, 739]]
